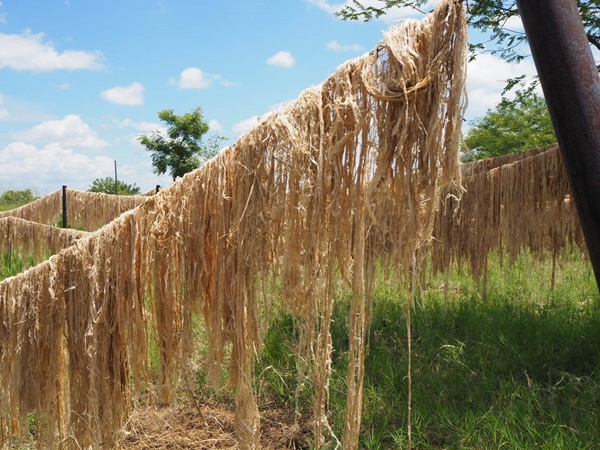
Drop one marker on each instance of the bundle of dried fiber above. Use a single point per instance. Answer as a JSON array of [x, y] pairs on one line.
[[45, 210], [72, 336], [89, 210], [487, 164], [348, 175], [22, 238], [33, 374], [512, 204], [92, 210]]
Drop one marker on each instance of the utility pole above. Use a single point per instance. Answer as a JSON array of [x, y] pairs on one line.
[[571, 85], [116, 182]]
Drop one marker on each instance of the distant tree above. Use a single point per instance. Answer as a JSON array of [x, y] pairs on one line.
[[513, 126], [214, 143], [107, 186], [14, 199], [182, 149]]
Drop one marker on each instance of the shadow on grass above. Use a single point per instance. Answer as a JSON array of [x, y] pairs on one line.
[[518, 370]]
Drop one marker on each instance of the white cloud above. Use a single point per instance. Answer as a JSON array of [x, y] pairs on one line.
[[195, 78], [141, 174], [140, 126], [4, 114], [28, 51], [245, 125], [486, 79], [328, 7], [406, 12], [125, 95], [337, 47], [392, 14], [227, 83], [214, 125], [49, 167], [514, 23], [70, 132], [65, 86], [282, 59]]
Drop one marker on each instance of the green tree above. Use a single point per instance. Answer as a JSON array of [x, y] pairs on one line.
[[182, 149], [13, 199], [107, 186], [490, 17], [513, 126]]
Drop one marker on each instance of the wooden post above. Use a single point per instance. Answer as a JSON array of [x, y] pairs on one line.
[[157, 188], [64, 207], [571, 86]]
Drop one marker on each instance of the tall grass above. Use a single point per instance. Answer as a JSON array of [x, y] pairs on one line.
[[12, 263], [519, 369]]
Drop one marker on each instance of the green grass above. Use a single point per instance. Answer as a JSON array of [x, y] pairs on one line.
[[13, 264], [518, 370]]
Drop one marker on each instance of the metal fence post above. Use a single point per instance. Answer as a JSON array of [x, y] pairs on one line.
[[65, 223]]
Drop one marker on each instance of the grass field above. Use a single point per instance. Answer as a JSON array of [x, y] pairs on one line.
[[517, 370]]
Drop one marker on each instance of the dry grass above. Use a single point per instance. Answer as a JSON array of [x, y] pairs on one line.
[[207, 427]]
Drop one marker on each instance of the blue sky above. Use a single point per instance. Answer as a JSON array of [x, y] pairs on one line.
[[79, 80]]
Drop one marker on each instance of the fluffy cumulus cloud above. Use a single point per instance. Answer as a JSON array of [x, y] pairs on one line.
[[69, 132], [282, 59], [132, 95], [337, 47], [486, 79], [195, 78], [48, 167], [30, 52], [246, 125]]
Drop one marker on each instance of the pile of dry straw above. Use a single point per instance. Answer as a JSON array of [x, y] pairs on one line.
[[346, 177]]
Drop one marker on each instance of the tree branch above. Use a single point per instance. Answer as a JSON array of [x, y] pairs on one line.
[[594, 40]]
